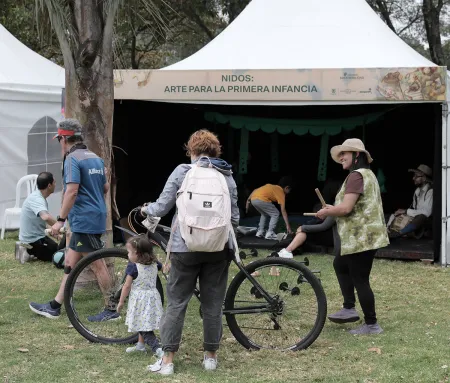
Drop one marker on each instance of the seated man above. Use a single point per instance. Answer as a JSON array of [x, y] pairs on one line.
[[422, 205], [34, 218], [319, 233], [262, 200]]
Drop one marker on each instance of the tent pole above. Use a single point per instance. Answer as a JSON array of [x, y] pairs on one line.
[[445, 160]]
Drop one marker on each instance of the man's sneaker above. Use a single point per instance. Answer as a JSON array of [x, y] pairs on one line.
[[209, 364], [159, 352], [260, 233], [367, 329], [271, 235], [344, 316], [283, 253], [45, 310], [138, 347], [105, 315], [160, 368]]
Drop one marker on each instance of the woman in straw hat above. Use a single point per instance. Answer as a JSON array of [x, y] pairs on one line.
[[361, 230]]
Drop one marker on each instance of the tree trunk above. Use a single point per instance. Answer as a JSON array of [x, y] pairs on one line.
[[431, 15], [89, 80]]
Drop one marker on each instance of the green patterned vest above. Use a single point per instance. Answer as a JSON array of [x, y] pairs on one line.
[[364, 228]]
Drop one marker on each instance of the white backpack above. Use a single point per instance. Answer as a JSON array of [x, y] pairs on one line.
[[204, 210]]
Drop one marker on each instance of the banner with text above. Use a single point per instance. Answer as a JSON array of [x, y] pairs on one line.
[[377, 84]]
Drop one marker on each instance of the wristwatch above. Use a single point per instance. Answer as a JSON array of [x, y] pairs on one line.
[[58, 218]]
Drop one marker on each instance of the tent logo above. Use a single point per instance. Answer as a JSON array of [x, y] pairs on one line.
[[351, 76]]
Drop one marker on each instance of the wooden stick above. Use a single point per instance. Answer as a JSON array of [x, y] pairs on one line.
[[322, 201], [310, 214]]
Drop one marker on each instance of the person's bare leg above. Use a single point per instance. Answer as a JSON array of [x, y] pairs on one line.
[[101, 272], [168, 357], [298, 240], [70, 260]]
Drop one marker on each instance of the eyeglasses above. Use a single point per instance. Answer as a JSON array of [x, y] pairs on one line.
[[59, 138]]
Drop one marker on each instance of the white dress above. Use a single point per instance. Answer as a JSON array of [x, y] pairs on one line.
[[144, 303]]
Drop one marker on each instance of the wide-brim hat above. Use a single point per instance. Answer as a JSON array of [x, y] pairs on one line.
[[423, 170], [350, 145]]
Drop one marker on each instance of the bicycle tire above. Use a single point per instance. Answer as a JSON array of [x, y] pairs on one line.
[[238, 280], [69, 290]]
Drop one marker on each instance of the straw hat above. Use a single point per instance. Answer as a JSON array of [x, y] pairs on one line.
[[350, 145], [423, 170]]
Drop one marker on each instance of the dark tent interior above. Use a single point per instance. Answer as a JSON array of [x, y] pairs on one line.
[[149, 138]]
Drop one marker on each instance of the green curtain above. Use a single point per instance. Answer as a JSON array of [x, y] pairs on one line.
[[324, 127], [323, 159], [300, 127], [243, 152]]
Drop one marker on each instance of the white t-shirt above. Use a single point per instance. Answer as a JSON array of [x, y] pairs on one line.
[[32, 226]]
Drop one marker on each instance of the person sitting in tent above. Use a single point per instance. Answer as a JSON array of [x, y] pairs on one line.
[[262, 200], [316, 230], [412, 220]]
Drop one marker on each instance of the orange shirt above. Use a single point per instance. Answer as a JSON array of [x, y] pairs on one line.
[[269, 193]]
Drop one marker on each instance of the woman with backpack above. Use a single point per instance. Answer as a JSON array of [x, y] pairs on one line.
[[210, 265]]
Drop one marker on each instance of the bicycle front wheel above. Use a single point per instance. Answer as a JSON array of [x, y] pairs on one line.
[[291, 321], [84, 296]]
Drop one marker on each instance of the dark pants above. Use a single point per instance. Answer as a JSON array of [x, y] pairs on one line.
[[353, 272], [211, 269], [417, 223], [43, 249], [150, 339]]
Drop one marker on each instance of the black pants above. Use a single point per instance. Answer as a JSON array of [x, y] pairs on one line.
[[43, 249], [353, 272]]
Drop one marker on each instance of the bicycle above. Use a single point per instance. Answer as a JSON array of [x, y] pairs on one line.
[[258, 316]]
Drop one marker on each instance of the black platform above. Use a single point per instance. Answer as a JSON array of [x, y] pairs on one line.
[[401, 248], [408, 248]]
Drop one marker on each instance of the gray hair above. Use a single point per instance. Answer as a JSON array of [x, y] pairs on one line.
[[70, 124]]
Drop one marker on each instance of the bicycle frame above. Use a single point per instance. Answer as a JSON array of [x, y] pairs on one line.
[[253, 281]]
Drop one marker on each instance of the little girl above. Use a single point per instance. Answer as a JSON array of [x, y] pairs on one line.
[[144, 305]]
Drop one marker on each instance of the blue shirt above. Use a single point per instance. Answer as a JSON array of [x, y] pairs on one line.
[[32, 226], [88, 214]]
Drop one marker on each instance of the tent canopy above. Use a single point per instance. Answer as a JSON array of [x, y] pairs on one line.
[[30, 105], [295, 52], [24, 74], [294, 34]]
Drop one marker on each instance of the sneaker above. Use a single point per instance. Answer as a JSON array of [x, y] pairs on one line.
[[367, 329], [271, 235], [344, 316], [138, 347], [45, 310], [283, 253], [260, 233], [105, 315], [160, 368], [209, 364], [159, 352]]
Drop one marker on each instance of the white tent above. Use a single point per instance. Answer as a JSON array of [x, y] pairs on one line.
[[337, 52], [30, 104], [294, 34]]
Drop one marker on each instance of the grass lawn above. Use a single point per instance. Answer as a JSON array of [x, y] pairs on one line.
[[412, 306]]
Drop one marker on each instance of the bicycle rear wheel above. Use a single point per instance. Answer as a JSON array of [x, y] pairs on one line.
[[295, 318], [83, 297]]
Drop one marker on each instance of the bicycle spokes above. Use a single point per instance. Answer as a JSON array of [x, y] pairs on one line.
[[287, 318]]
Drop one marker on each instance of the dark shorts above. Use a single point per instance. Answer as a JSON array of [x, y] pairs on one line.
[[85, 243]]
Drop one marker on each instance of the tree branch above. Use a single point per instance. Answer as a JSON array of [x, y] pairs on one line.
[[385, 14]]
